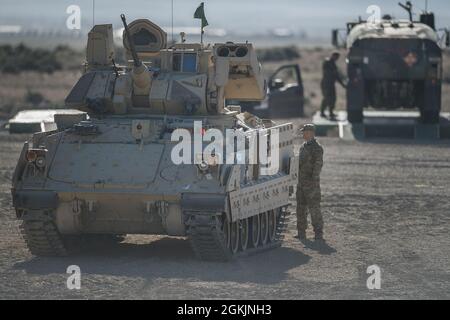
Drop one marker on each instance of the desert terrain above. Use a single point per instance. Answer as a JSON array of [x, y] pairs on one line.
[[385, 203]]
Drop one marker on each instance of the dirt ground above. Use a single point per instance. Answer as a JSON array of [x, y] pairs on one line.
[[385, 203]]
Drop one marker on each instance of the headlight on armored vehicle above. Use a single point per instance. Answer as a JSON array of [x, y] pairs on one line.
[[36, 156], [40, 162]]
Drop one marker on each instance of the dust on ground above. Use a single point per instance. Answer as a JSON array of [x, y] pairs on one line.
[[384, 202]]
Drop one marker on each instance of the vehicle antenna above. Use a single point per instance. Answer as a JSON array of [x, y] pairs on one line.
[[172, 21], [93, 13]]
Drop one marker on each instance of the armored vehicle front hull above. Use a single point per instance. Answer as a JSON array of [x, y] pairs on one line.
[[105, 177]]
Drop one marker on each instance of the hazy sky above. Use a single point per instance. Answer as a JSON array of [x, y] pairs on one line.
[[242, 16]]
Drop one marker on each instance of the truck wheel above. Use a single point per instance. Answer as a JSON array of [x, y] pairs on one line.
[[355, 116]]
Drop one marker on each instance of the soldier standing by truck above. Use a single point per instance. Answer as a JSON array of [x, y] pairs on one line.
[[331, 75], [308, 189]]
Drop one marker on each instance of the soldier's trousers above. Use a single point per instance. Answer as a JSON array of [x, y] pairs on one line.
[[329, 98], [308, 200]]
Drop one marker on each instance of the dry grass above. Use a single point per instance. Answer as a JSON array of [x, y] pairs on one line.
[[53, 87]]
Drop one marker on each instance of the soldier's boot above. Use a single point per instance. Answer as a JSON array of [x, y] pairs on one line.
[[302, 220], [332, 106], [317, 222], [318, 236], [322, 108], [332, 114], [301, 235]]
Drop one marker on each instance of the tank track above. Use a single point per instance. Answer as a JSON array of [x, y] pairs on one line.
[[41, 236], [207, 238]]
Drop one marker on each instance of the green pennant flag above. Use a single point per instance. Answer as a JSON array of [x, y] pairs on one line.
[[200, 14]]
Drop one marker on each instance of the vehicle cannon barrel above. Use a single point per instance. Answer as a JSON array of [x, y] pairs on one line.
[[137, 61], [141, 75]]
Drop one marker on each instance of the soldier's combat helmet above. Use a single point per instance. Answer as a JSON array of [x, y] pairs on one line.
[[308, 127]]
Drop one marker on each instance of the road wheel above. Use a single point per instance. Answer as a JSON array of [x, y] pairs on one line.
[[255, 230], [244, 234], [264, 217], [355, 116], [234, 237], [272, 225]]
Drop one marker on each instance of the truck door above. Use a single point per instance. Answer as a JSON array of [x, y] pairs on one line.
[[286, 97]]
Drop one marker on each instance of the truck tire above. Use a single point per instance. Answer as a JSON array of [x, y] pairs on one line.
[[355, 116], [429, 116], [86, 242]]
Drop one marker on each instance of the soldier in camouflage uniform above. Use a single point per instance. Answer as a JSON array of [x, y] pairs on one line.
[[308, 189], [330, 77]]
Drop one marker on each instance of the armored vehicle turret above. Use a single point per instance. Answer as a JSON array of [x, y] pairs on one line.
[[394, 64], [159, 153]]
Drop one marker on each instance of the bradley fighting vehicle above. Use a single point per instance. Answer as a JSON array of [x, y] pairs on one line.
[[394, 64], [112, 173]]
